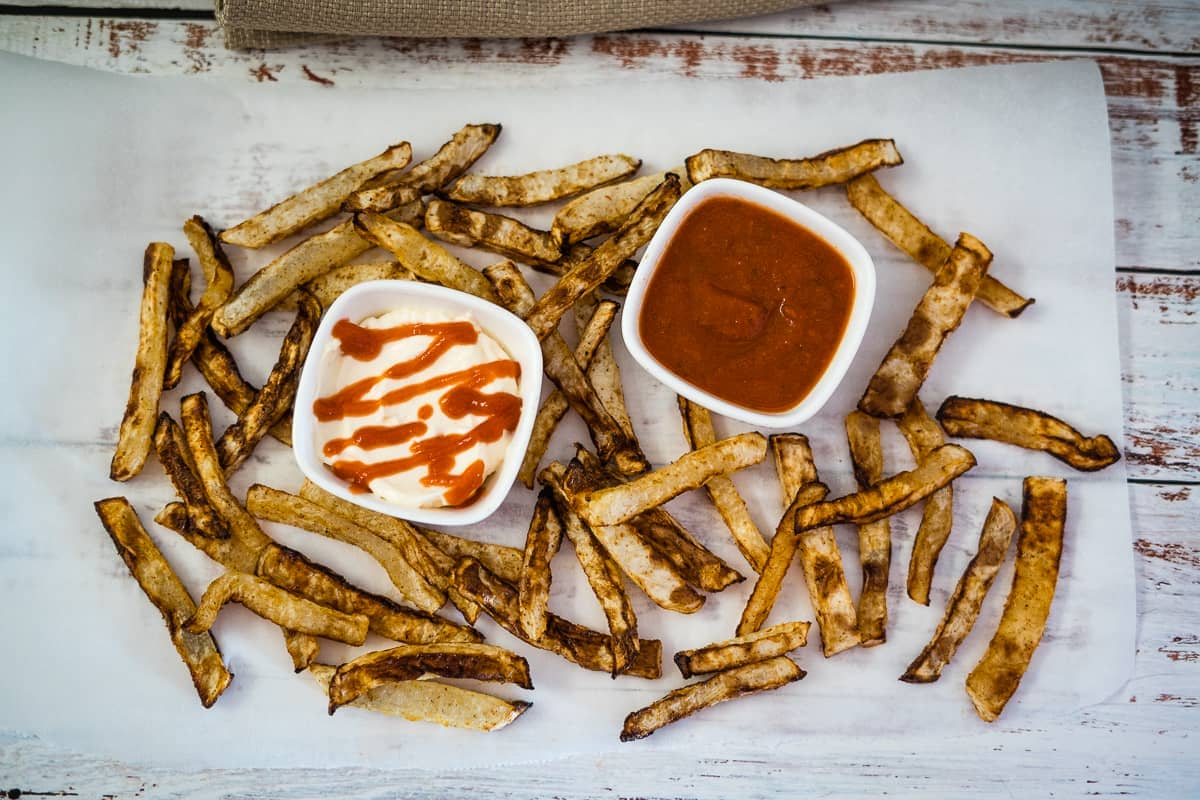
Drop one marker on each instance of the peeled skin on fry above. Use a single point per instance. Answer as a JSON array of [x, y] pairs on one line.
[[492, 232], [937, 520], [832, 166], [1039, 549], [315, 203], [898, 379], [692, 470], [924, 246], [218, 276], [544, 185], [767, 643], [141, 411], [968, 596], [728, 685], [431, 701], [603, 210], [426, 259], [967, 417], [874, 537], [541, 544], [163, 588]]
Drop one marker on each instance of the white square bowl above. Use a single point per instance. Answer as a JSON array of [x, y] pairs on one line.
[[861, 266], [377, 297]]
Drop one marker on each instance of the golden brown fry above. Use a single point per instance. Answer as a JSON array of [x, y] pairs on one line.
[[770, 642], [492, 232], [541, 544], [602, 370], [426, 259], [302, 647], [576, 254], [173, 454], [875, 537], [728, 685], [307, 261], [453, 159], [285, 609], [697, 565], [833, 166], [501, 559], [603, 210], [615, 504], [430, 701], [1039, 549], [698, 431], [315, 203], [544, 185], [481, 662], [923, 435], [937, 315], [967, 417], [141, 411], [218, 276], [231, 552], [921, 244], [163, 588], [274, 505], [583, 278], [275, 398], [964, 604]]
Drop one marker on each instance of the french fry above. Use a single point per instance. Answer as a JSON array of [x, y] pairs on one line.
[[426, 259], [964, 604], [285, 609], [481, 662], [574, 255], [431, 701], [966, 417], [695, 563], [173, 454], [874, 537], [137, 425], [698, 431], [315, 203], [770, 642], [615, 504], [1039, 549], [728, 685], [333, 284], [230, 552], [602, 369], [939, 312], [541, 544], [921, 244], [218, 276], [492, 232], [302, 647], [544, 185], [937, 519], [603, 210], [586, 276], [163, 588], [833, 166], [501, 559]]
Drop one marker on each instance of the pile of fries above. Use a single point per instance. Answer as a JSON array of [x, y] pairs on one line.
[[606, 501]]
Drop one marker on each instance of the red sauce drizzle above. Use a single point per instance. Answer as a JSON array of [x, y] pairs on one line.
[[436, 454]]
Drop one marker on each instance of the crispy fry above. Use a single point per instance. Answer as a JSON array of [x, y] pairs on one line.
[[544, 185], [875, 537], [275, 398], [615, 504], [921, 244], [288, 509], [176, 461], [603, 210], [698, 431], [698, 565], [302, 647], [453, 159], [602, 370], [163, 588], [923, 435], [481, 662], [285, 609], [576, 254], [967, 417], [218, 276], [968, 596], [430, 701], [317, 202], [426, 259], [939, 312], [137, 425], [307, 261], [833, 166], [1039, 549], [230, 552], [770, 642], [541, 544], [728, 685], [501, 559], [492, 232], [332, 284], [586, 276]]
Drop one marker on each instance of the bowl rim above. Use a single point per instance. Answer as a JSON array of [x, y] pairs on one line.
[[861, 266], [380, 296]]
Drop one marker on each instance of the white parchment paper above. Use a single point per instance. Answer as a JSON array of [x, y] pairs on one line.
[[95, 166]]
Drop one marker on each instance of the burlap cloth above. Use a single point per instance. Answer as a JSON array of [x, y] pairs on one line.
[[276, 23]]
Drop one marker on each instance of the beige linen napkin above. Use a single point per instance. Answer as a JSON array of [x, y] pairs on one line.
[[274, 23]]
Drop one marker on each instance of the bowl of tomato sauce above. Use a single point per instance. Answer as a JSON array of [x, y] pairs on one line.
[[749, 303]]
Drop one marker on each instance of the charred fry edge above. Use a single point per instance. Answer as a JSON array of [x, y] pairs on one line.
[[758, 646]]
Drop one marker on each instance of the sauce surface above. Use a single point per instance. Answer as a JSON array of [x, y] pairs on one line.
[[747, 304]]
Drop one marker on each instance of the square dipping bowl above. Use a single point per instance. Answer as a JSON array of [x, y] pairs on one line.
[[378, 297], [861, 267]]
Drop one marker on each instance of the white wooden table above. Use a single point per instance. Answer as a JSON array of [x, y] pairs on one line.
[[1145, 740]]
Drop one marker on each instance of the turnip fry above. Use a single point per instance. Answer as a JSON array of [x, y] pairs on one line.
[[923, 435], [603, 210], [544, 185], [495, 233], [832, 166], [770, 642], [426, 259], [218, 277], [874, 537], [172, 449], [541, 544]]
